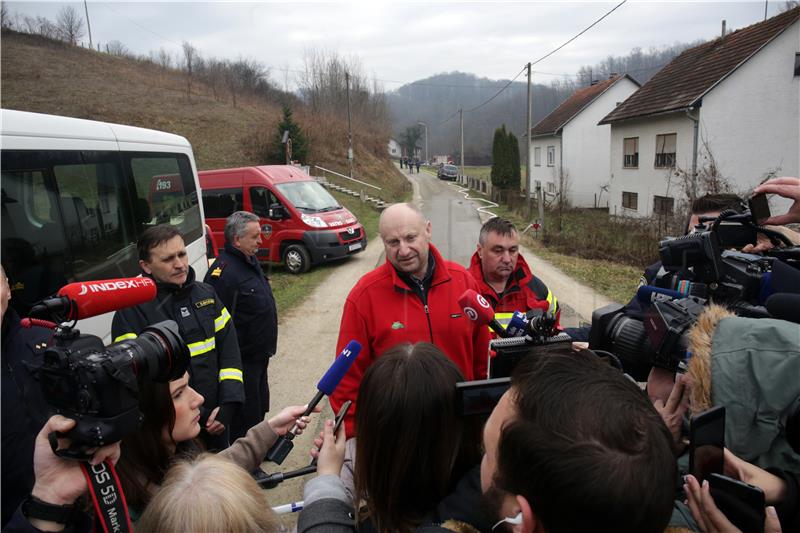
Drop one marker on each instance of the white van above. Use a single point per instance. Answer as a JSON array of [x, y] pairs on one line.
[[76, 196]]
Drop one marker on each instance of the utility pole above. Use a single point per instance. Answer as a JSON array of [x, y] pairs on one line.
[[424, 125], [349, 125], [766, 3], [528, 163], [89, 26], [541, 182], [461, 114]]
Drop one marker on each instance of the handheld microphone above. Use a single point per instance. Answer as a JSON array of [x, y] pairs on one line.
[[327, 384], [647, 294], [518, 325], [479, 311], [86, 299]]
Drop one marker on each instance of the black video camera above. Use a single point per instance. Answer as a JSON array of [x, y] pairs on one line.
[[540, 330], [658, 340], [97, 385]]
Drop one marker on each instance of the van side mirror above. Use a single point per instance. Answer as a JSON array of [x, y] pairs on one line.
[[277, 212]]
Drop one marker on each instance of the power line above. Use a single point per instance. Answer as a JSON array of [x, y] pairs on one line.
[[587, 28], [497, 93], [140, 26]]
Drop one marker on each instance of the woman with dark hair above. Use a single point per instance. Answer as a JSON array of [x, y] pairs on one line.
[[170, 428], [412, 449]]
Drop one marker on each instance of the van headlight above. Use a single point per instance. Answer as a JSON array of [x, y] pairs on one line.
[[314, 222]]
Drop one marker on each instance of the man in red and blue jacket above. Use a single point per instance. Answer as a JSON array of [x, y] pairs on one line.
[[412, 297]]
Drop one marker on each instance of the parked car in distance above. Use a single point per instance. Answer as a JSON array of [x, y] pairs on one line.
[[447, 172], [301, 223]]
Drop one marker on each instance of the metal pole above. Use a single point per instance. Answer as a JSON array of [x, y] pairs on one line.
[[461, 114], [529, 162], [89, 26], [766, 3], [349, 125]]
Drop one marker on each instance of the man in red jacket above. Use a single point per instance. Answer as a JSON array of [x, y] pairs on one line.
[[503, 275], [412, 297]]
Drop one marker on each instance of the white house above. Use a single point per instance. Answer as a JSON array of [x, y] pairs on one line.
[[732, 104], [395, 150], [584, 160]]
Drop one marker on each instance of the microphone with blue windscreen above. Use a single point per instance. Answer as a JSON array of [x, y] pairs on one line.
[[325, 387]]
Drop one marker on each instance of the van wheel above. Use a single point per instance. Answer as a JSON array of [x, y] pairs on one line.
[[296, 259]]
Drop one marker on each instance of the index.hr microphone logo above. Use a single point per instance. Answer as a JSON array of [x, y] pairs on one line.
[[471, 313], [482, 301], [107, 286]]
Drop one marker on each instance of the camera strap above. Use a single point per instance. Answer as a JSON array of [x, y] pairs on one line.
[[108, 500]]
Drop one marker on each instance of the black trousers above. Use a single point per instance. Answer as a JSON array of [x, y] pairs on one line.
[[256, 396]]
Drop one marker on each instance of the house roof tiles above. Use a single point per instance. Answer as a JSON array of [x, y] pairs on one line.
[[573, 105], [688, 77]]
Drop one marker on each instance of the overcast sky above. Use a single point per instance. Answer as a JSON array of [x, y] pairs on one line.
[[399, 42]]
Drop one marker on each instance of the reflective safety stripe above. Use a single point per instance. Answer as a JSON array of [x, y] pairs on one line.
[[221, 320], [230, 373], [552, 303], [125, 337], [197, 348], [503, 318]]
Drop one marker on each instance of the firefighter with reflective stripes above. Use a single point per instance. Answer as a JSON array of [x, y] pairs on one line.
[[204, 322], [504, 277]]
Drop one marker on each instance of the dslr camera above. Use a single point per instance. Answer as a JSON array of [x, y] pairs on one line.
[[97, 385]]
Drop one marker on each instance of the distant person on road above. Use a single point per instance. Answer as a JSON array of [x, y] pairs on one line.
[[240, 283], [503, 275], [412, 297], [418, 163], [402, 161]]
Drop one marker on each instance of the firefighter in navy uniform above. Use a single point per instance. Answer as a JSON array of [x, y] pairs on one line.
[[204, 322], [237, 277]]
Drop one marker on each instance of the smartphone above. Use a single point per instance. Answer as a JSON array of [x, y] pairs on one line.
[[759, 207], [480, 397], [742, 503], [340, 416], [706, 443]]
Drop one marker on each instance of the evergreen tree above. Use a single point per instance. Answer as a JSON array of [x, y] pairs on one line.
[[500, 158], [515, 173], [277, 153]]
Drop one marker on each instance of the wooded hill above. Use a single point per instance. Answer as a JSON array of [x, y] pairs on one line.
[[49, 76]]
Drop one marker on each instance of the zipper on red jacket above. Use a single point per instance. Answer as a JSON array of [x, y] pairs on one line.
[[428, 316]]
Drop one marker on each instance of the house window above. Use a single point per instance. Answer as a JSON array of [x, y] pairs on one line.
[[551, 156], [551, 187], [797, 64], [665, 150], [631, 159], [537, 156], [630, 200], [663, 205]]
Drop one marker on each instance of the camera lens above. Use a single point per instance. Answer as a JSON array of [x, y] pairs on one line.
[[158, 353]]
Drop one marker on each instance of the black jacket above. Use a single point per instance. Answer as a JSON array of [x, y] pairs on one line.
[[24, 410], [206, 327], [244, 289]]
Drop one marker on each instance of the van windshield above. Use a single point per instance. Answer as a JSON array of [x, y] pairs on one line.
[[308, 196]]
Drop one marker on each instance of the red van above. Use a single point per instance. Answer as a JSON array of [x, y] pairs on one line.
[[301, 223]]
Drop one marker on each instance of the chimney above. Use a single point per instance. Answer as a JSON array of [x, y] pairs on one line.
[[723, 28], [613, 75], [594, 82]]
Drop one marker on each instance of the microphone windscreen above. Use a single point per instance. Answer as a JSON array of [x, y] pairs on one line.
[[92, 298], [784, 306], [476, 307], [646, 294], [328, 383]]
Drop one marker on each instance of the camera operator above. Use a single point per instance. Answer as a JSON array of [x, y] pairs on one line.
[[23, 408], [203, 321], [53, 504]]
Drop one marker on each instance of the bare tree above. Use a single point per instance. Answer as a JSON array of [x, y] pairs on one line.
[[116, 48], [164, 58], [70, 24], [190, 56], [5, 17], [40, 26], [789, 5]]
